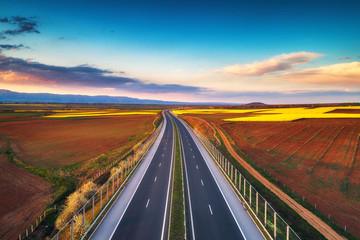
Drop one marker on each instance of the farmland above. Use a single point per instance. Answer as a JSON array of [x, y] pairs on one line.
[[313, 151], [64, 145]]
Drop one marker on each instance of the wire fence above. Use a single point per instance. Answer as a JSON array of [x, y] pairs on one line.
[[266, 215], [84, 221]]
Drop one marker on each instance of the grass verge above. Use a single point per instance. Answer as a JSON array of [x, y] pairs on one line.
[[177, 227]]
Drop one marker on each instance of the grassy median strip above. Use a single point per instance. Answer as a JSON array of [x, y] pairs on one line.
[[177, 227]]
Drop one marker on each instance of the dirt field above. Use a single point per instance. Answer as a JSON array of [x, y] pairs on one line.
[[61, 142], [23, 197], [318, 158], [53, 143]]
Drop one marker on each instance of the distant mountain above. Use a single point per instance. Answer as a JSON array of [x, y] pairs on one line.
[[9, 96], [255, 103]]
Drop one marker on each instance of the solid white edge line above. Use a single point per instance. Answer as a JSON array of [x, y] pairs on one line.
[[147, 204], [218, 185], [169, 184], [188, 190], [132, 196]]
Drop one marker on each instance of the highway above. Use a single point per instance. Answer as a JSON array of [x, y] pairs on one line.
[[146, 214], [213, 210]]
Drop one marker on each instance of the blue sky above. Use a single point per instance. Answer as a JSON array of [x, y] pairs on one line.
[[228, 51]]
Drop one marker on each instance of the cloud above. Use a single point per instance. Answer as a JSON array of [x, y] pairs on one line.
[[345, 58], [19, 71], [22, 25], [11, 47], [274, 64], [342, 74]]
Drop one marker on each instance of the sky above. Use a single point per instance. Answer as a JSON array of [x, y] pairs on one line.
[[192, 51]]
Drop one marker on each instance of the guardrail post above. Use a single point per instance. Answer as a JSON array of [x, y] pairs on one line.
[[287, 232], [232, 173], [117, 179], [265, 212], [274, 225]]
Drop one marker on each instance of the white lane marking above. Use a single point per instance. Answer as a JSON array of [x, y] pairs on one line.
[[188, 191], [202, 183], [155, 179], [210, 210], [132, 196], [197, 167], [193, 156], [190, 149], [147, 204], [199, 144], [162, 155], [169, 185], [159, 164]]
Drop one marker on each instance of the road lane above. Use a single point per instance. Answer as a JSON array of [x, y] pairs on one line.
[[209, 214], [146, 213]]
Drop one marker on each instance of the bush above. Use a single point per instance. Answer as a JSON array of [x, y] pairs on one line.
[[74, 202]]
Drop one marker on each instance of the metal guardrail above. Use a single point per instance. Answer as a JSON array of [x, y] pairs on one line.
[[271, 221]]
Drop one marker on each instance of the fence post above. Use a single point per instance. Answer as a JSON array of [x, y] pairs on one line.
[[84, 215], [239, 181], [257, 203], [287, 232], [274, 224], [244, 187], [235, 173], [117, 179], [265, 212], [72, 228], [26, 233], [113, 185], [232, 173], [19, 236], [101, 198], [93, 208], [107, 191], [250, 193]]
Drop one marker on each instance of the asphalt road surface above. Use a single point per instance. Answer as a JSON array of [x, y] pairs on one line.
[[147, 213], [210, 214]]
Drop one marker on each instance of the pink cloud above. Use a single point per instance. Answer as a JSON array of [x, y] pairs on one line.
[[274, 64], [342, 74]]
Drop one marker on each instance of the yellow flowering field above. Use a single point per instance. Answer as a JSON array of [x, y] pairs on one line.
[[276, 114]]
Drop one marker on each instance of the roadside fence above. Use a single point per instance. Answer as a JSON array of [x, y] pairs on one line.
[[265, 214], [90, 213]]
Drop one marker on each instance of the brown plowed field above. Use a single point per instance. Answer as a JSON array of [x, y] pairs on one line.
[[317, 158], [23, 197], [54, 143], [61, 142]]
